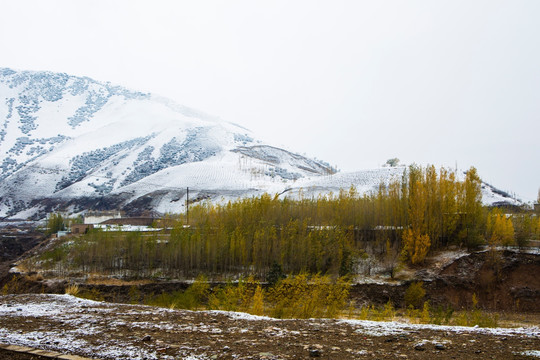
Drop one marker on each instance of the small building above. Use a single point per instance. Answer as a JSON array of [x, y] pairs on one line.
[[135, 221], [97, 217], [81, 228]]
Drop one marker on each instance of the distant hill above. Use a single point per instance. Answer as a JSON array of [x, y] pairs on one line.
[[73, 144]]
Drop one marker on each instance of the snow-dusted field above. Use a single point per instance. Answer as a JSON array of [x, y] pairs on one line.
[[68, 324]]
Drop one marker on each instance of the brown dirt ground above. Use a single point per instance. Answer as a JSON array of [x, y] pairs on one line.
[[213, 335]]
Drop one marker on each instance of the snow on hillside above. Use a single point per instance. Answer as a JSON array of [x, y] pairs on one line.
[[64, 138], [75, 144]]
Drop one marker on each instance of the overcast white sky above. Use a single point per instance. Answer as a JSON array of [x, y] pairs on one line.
[[350, 82]]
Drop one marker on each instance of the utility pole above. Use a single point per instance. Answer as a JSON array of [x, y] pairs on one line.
[[187, 206]]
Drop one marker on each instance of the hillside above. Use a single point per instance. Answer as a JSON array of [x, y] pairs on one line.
[[72, 143], [75, 142]]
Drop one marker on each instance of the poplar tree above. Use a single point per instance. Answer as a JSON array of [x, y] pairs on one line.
[[416, 242], [448, 193], [471, 209], [55, 224], [500, 229], [524, 229]]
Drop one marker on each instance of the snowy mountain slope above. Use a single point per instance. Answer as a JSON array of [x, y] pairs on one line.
[[64, 138], [75, 144]]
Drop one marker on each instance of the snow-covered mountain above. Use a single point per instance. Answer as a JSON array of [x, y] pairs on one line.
[[74, 144]]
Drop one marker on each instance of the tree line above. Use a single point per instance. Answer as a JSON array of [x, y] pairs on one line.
[[404, 220]]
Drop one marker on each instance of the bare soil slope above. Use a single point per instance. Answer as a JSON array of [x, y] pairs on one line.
[[504, 280]]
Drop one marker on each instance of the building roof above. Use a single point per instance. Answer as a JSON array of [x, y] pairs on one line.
[[140, 221]]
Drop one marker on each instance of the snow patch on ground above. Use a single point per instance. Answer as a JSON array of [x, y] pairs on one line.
[[535, 353], [241, 315], [377, 328], [76, 322]]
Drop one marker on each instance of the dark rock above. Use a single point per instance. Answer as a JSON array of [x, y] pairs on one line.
[[440, 347], [420, 347], [146, 338], [315, 353]]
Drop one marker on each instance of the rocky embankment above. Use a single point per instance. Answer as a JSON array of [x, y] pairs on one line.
[[502, 281]]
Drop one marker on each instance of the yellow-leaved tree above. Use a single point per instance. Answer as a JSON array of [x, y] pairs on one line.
[[416, 242], [500, 229], [472, 210], [257, 306]]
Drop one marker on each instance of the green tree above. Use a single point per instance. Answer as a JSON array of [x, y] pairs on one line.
[[414, 295], [55, 223], [537, 207], [393, 162], [524, 229], [275, 274]]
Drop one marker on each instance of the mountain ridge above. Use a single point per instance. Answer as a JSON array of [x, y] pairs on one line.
[[66, 137], [74, 144]]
